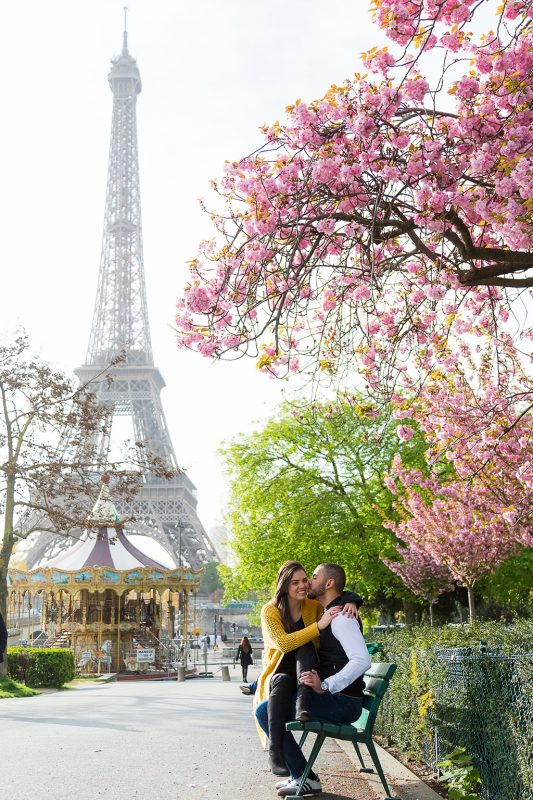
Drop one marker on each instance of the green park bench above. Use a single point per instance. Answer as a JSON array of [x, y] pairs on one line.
[[359, 732]]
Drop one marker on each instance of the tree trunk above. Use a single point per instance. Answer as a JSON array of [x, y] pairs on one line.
[[409, 610], [431, 602], [3, 611], [471, 604], [6, 550]]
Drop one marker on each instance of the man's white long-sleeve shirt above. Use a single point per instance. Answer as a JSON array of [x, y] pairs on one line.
[[347, 631]]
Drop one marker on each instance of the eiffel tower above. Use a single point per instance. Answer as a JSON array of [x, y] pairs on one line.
[[163, 509]]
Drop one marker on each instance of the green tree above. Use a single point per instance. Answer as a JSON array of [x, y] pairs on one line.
[[310, 485], [212, 580], [509, 589]]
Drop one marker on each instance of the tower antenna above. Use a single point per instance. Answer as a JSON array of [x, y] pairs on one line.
[[125, 43]]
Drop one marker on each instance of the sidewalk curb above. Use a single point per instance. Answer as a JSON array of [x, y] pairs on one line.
[[107, 678], [405, 783]]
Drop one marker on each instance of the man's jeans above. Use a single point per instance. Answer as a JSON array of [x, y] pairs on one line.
[[339, 708]]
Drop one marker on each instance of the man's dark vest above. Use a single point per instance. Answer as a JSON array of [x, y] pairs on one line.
[[333, 659]]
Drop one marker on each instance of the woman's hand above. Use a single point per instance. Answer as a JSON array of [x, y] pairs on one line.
[[327, 616], [350, 610]]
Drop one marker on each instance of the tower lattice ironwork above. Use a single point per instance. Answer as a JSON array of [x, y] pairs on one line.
[[162, 509]]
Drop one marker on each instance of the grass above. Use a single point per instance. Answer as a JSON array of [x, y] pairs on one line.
[[9, 688]]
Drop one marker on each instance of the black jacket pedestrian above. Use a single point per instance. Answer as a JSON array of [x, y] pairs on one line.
[[244, 657]]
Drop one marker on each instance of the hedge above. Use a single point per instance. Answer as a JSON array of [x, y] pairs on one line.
[[478, 697], [37, 666]]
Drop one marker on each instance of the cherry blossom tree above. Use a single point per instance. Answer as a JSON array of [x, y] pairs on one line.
[[422, 574], [385, 224], [468, 528], [479, 425], [469, 517]]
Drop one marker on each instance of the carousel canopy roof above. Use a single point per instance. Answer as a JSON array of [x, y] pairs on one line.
[[106, 544], [110, 548], [104, 558]]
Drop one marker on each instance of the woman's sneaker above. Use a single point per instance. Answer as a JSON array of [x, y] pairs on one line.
[[310, 787]]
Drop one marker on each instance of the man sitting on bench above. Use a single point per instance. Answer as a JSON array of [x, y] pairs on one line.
[[338, 685]]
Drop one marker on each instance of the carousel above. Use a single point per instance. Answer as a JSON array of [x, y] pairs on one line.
[[118, 608]]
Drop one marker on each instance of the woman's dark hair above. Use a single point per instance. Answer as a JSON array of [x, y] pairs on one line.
[[245, 644], [285, 574]]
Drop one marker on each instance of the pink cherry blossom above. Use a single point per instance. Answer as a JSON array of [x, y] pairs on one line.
[[405, 433], [421, 572]]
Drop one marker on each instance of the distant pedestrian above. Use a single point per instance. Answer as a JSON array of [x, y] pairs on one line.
[[244, 655]]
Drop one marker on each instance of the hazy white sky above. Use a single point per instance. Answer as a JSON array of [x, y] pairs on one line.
[[212, 73]]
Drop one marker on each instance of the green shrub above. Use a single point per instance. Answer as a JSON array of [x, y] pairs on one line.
[[461, 776], [37, 666], [407, 710]]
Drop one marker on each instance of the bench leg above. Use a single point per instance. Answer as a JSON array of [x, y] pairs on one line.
[[311, 760], [304, 737], [379, 769], [360, 757]]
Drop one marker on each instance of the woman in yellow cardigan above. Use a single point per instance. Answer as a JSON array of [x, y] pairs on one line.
[[291, 624]]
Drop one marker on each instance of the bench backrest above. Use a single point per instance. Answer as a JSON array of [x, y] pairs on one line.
[[377, 680]]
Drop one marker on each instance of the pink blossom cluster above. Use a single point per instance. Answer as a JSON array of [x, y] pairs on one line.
[[421, 21], [421, 572], [482, 424], [468, 527], [470, 516]]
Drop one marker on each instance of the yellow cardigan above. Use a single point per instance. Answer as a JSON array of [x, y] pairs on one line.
[[278, 642]]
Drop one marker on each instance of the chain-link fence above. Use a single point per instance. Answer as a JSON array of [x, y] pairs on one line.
[[484, 703]]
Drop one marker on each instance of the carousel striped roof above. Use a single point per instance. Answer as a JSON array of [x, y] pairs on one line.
[[105, 544]]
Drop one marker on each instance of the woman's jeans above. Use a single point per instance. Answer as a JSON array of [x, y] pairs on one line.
[[339, 708]]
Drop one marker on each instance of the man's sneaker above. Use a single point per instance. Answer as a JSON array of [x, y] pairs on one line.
[[309, 787], [245, 688], [284, 782]]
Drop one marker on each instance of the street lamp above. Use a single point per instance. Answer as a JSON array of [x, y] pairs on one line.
[[184, 609], [234, 629], [180, 529]]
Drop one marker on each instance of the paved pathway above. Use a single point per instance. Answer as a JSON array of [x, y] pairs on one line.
[[147, 741]]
